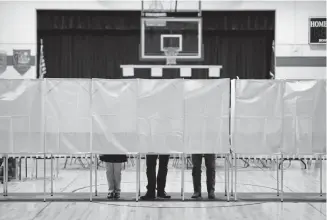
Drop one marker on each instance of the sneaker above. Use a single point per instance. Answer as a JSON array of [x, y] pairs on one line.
[[111, 195], [211, 195], [148, 197], [117, 195], [163, 195], [196, 195]]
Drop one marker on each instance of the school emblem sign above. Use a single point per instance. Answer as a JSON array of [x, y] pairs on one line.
[[22, 60], [3, 61]]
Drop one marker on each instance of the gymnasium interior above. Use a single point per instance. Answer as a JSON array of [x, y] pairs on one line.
[[241, 80]]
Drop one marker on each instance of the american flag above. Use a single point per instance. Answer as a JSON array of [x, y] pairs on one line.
[[43, 69], [272, 66]]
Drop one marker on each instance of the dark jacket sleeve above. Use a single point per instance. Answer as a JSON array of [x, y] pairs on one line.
[[113, 158]]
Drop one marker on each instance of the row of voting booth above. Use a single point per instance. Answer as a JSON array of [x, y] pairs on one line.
[[102, 116], [154, 116]]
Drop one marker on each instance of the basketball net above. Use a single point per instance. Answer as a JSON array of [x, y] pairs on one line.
[[171, 53]]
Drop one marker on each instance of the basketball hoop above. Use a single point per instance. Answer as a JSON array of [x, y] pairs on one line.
[[171, 53]]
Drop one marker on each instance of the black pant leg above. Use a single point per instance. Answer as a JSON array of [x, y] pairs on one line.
[[196, 171], [151, 163], [210, 162], [162, 172]]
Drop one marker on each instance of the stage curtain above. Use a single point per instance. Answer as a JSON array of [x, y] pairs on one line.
[[246, 54], [88, 20], [94, 44], [89, 54], [130, 20]]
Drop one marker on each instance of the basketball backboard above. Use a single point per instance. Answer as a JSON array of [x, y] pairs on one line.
[[166, 28], [160, 33]]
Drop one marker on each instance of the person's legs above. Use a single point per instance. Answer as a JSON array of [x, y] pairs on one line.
[[162, 176], [151, 163], [196, 174], [117, 178], [210, 162], [110, 178]]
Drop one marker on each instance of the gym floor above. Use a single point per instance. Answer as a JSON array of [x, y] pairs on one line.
[[256, 188]]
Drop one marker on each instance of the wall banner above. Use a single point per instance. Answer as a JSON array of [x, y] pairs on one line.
[[3, 61], [22, 60], [317, 30]]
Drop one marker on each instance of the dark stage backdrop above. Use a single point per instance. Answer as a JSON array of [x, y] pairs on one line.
[[93, 44]]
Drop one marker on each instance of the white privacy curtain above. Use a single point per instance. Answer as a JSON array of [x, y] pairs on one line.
[[304, 117], [67, 116], [206, 116], [257, 117], [21, 114], [114, 116], [160, 115]]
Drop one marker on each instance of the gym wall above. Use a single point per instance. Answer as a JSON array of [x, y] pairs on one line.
[[295, 58]]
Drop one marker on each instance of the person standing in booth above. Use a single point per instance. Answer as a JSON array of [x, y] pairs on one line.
[[160, 180], [114, 165], [210, 162]]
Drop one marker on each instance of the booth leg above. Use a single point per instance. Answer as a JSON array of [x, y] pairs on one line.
[[235, 180], [44, 179], [137, 192], [225, 175], [183, 176], [35, 167], [282, 179], [96, 175], [91, 177], [228, 162], [231, 174], [26, 167], [51, 174], [277, 168], [57, 167], [321, 174]]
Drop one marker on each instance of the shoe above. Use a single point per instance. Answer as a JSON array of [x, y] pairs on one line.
[[196, 195], [117, 195], [148, 197], [163, 195], [211, 195], [111, 195]]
